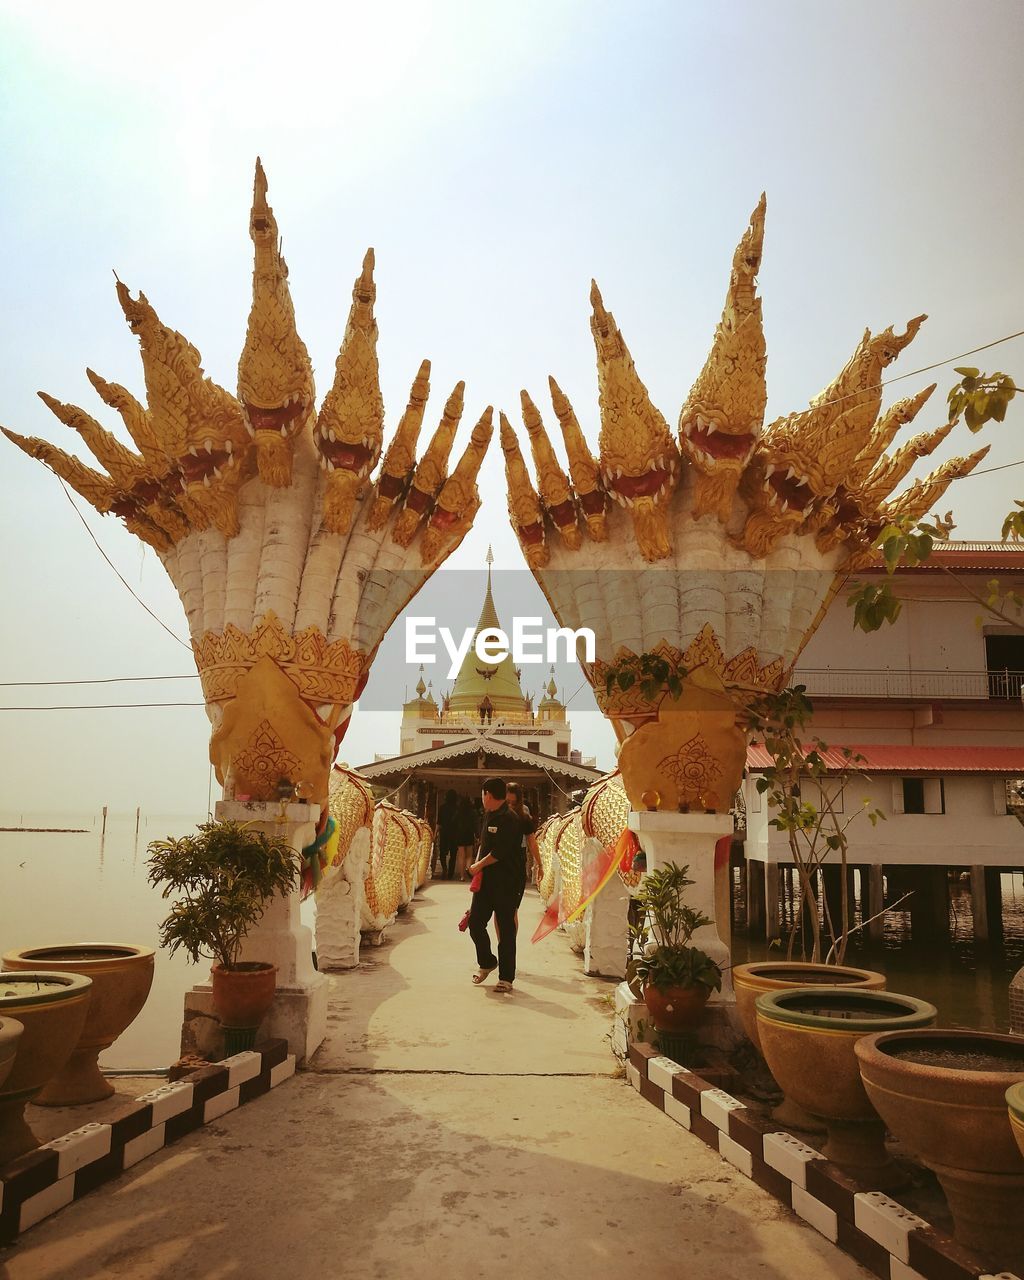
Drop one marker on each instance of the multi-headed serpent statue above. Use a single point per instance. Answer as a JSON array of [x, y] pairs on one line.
[[716, 550]]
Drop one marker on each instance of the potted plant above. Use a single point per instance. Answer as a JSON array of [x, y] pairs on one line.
[[227, 873], [676, 978]]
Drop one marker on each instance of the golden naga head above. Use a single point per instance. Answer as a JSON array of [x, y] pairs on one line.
[[556, 493], [431, 472], [350, 426], [583, 466], [459, 499], [524, 508], [275, 376], [640, 463], [722, 418], [197, 424], [399, 463]]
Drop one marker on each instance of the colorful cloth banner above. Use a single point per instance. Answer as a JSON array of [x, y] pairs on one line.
[[594, 878]]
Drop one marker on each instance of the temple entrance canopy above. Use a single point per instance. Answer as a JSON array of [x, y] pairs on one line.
[[485, 725]]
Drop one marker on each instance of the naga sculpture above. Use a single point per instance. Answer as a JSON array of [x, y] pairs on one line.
[[290, 560], [704, 561]]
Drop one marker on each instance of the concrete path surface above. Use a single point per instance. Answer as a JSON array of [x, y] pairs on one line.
[[442, 1130]]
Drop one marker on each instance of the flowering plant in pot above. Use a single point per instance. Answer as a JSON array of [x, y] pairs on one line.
[[676, 978], [227, 875]]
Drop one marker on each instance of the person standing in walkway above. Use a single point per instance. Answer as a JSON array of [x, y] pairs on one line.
[[465, 825], [530, 851], [500, 863], [448, 834]]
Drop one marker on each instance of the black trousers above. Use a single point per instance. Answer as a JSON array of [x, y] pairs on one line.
[[503, 907], [449, 850]]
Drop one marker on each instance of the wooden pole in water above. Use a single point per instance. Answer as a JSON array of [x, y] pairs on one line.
[[104, 831]]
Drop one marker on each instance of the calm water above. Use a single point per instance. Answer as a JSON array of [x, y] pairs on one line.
[[82, 886], [967, 982], [86, 887]]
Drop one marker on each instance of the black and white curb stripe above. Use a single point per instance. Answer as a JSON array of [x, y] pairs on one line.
[[882, 1235], [62, 1171]]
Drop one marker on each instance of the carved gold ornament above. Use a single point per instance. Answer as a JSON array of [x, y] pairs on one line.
[[694, 752]]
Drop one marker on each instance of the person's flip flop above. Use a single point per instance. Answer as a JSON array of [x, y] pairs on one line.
[[482, 975], [504, 986]]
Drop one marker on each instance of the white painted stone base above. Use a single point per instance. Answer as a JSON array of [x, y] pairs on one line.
[[632, 1024], [299, 1012], [339, 908], [606, 939], [688, 839], [720, 1028], [298, 1015]]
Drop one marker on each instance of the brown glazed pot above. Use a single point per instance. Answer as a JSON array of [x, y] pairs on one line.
[[954, 1120], [51, 1008], [752, 980], [808, 1035], [121, 980], [676, 1008], [242, 996], [10, 1033]]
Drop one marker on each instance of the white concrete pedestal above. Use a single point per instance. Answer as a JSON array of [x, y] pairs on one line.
[[339, 908], [689, 839], [606, 944], [299, 1012]]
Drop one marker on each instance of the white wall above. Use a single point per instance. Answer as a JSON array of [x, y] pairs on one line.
[[969, 833]]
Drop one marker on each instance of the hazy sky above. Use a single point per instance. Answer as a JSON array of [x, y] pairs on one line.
[[496, 157]]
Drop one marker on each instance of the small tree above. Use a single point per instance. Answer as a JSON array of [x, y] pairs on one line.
[[815, 832], [669, 923], [228, 874]]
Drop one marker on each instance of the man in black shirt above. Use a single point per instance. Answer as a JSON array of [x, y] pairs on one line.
[[500, 861]]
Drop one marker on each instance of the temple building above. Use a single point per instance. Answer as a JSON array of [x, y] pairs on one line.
[[486, 725]]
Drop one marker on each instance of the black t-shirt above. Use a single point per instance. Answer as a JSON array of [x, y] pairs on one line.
[[502, 838]]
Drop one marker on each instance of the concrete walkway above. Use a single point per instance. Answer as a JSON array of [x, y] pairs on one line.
[[441, 1129]]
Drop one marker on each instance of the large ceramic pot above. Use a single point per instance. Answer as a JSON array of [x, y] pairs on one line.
[[808, 1036], [752, 980], [676, 1008], [943, 1094], [51, 1008], [121, 979], [1015, 1106], [242, 997], [10, 1033]]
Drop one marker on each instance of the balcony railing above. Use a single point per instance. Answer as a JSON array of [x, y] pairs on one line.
[[1003, 685]]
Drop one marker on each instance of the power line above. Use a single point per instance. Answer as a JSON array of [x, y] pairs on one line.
[[39, 684], [145, 606], [108, 706]]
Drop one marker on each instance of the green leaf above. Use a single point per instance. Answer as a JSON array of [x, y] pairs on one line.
[[965, 372]]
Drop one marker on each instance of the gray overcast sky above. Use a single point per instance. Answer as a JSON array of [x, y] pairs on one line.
[[496, 156]]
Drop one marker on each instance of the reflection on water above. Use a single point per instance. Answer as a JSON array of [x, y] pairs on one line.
[[90, 886], [967, 981]]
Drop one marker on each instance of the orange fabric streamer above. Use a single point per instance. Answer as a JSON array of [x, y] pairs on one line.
[[595, 877]]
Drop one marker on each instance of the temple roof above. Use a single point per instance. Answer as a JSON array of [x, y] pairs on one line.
[[379, 770], [497, 681]]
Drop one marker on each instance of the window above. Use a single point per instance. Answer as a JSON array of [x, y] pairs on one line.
[[438, 742], [563, 750], [533, 746], [918, 795], [1004, 658]]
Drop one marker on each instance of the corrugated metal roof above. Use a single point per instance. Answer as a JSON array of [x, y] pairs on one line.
[[893, 758]]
